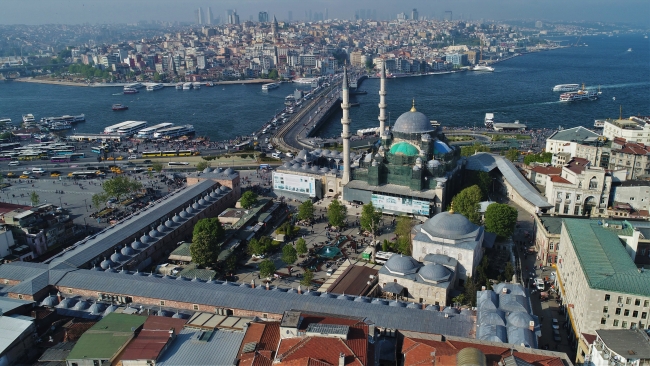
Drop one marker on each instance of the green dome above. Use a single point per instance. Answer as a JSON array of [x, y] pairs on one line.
[[404, 148]]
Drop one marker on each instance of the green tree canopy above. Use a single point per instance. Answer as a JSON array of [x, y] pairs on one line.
[[500, 219], [121, 186], [307, 277], [301, 246], [206, 238], [403, 233], [544, 157], [99, 200], [34, 198], [479, 178], [202, 165], [273, 74], [259, 247], [306, 210], [469, 150], [370, 218], [289, 255], [336, 213], [248, 199], [470, 292], [512, 154], [267, 268], [467, 203], [157, 166]]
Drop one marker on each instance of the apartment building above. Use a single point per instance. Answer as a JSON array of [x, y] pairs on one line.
[[600, 285], [633, 129], [634, 157]]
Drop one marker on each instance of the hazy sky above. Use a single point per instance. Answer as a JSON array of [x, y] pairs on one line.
[[127, 11]]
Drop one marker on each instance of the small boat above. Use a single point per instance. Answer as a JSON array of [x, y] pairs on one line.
[[629, 50], [119, 107], [130, 91], [209, 84], [179, 86], [154, 87], [483, 67], [566, 87]]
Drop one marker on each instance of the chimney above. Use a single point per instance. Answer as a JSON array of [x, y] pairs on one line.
[[483, 288], [505, 290], [267, 286], [299, 290], [531, 325], [171, 332], [252, 283], [341, 359], [423, 306]]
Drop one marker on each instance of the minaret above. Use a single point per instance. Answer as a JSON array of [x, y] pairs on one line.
[[382, 101], [345, 121]]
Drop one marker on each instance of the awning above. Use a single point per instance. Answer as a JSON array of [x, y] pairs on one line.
[[393, 288]]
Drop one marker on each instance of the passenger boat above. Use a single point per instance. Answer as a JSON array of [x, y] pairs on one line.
[[130, 91], [270, 86], [28, 118], [187, 86], [579, 95], [154, 87], [172, 132], [566, 87], [119, 107], [599, 123], [179, 86], [147, 133], [196, 85]]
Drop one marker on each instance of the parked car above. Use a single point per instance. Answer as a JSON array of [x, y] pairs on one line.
[[132, 157], [556, 324], [556, 335], [539, 283], [14, 163]]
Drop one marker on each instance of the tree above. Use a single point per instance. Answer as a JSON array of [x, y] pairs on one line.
[[403, 233], [306, 211], [255, 247], [470, 291], [157, 166], [307, 277], [336, 213], [467, 203], [99, 199], [544, 157], [231, 263], [369, 64], [501, 219], [202, 165], [508, 271], [267, 268], [248, 199], [370, 218], [206, 239], [289, 255], [273, 74], [301, 246], [479, 178], [34, 198], [469, 150], [121, 186], [512, 154]]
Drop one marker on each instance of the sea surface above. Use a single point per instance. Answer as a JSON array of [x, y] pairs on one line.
[[519, 89]]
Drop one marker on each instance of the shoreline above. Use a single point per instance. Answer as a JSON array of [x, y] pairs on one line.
[[114, 85]]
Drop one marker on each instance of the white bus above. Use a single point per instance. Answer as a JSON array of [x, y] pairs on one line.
[[382, 257]]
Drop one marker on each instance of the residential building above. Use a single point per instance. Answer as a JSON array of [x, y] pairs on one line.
[[600, 285], [634, 129], [18, 339], [539, 174], [619, 347], [547, 238], [157, 335], [567, 141], [634, 157], [635, 193]]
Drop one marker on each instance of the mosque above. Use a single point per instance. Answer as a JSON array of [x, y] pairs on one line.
[[407, 173]]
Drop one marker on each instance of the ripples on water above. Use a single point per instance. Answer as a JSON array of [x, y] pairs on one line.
[[519, 89]]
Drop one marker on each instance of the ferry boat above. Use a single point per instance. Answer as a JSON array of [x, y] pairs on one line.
[[483, 67], [131, 127], [5, 121], [489, 120], [153, 87], [179, 86], [599, 123], [196, 85], [581, 94], [147, 133], [59, 126], [28, 118], [187, 86], [130, 91], [566, 87], [66, 118], [172, 132], [119, 107], [270, 86]]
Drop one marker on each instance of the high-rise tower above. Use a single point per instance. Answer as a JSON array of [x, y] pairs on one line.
[[274, 28], [382, 101], [345, 121], [210, 18], [199, 19]]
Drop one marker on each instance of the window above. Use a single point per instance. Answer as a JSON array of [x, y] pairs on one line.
[[620, 299], [618, 311], [644, 315], [195, 307], [635, 314], [559, 195], [20, 297], [615, 323], [557, 207], [265, 315], [626, 312], [568, 196], [578, 197], [162, 302], [631, 198], [566, 209], [576, 210], [605, 309], [550, 246], [69, 290], [607, 297], [646, 303], [603, 320], [628, 301], [624, 325], [637, 302], [593, 183]]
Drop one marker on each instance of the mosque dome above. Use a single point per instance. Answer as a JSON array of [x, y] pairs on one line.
[[449, 225], [413, 122], [127, 251], [177, 219], [435, 272], [106, 263], [404, 148], [170, 224], [137, 245], [50, 301], [440, 147], [404, 264], [207, 170]]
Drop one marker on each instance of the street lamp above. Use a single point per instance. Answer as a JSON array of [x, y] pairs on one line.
[[85, 205]]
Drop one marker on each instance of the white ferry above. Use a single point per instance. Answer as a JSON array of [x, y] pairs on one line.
[[566, 87], [131, 128], [270, 86], [28, 118], [115, 127], [187, 86], [66, 118], [483, 67], [5, 121], [147, 133], [581, 94], [153, 87], [134, 86], [179, 86], [599, 123], [172, 132], [196, 85]]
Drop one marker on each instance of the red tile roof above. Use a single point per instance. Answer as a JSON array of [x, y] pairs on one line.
[[418, 352], [558, 179], [548, 170], [324, 349], [590, 338], [267, 336], [150, 342]]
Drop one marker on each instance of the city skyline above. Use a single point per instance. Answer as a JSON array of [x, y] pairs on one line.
[[78, 11]]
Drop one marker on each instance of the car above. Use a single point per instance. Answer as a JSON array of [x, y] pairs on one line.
[[146, 161], [258, 256], [556, 324], [289, 154], [276, 156], [24, 176], [119, 158], [132, 157], [55, 175], [14, 163], [539, 283], [556, 335], [38, 170], [11, 174], [27, 172]]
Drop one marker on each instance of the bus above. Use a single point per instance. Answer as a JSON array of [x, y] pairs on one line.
[[5, 158], [382, 257], [60, 159], [9, 146], [97, 150], [77, 156], [62, 152], [82, 175]]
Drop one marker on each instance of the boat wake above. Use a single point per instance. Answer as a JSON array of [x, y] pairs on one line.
[[117, 94], [626, 85]]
